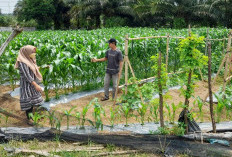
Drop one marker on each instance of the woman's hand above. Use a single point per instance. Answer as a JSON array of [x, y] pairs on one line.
[[37, 87]]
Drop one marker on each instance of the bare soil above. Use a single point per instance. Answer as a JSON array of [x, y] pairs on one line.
[[173, 96]]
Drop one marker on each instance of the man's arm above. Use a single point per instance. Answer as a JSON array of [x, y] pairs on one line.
[[99, 60]]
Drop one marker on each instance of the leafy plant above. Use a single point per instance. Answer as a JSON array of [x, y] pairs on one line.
[[154, 110], [125, 108], [113, 114], [51, 118], [169, 112], [68, 114], [200, 104], [219, 107], [78, 117], [98, 111], [191, 58], [142, 110], [36, 117], [84, 112]]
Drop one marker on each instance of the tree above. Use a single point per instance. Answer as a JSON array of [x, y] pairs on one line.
[[40, 10], [100, 8]]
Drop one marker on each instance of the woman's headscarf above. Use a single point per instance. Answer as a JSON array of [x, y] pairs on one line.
[[24, 57]]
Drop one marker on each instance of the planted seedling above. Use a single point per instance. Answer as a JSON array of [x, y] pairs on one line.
[[125, 108], [98, 111], [68, 114], [36, 117], [142, 110]]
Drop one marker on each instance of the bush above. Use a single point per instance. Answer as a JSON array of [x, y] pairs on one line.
[[179, 23], [7, 20]]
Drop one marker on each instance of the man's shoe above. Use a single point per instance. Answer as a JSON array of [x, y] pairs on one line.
[[104, 99]]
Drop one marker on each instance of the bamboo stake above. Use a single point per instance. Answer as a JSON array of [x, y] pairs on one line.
[[222, 64], [227, 62], [126, 64], [119, 77], [210, 89], [160, 92], [151, 37], [219, 70], [207, 38], [167, 48]]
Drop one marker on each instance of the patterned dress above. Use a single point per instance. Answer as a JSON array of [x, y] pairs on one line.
[[28, 95]]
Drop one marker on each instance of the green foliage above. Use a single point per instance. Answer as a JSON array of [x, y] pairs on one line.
[[125, 109], [36, 117], [133, 97], [51, 118], [97, 114], [177, 130], [190, 55], [164, 75], [68, 114], [200, 104], [154, 110], [142, 110], [114, 113], [83, 114]]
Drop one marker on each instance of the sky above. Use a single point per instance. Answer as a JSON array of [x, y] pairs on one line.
[[7, 6]]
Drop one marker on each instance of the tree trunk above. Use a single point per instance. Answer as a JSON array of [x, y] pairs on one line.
[[210, 90], [160, 92], [186, 103]]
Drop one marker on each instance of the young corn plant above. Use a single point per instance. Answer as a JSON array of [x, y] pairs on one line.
[[200, 104], [220, 106], [154, 110], [78, 118], [142, 110], [68, 114], [113, 115], [36, 117], [58, 128], [169, 114], [51, 118], [174, 108], [125, 108], [83, 114], [98, 111]]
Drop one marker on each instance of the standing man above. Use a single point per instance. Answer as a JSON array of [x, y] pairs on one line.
[[114, 65]]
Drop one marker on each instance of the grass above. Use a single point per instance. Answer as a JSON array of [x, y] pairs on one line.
[[53, 145]]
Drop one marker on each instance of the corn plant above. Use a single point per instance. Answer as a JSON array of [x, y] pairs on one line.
[[36, 117], [114, 113], [142, 110], [78, 117], [200, 104], [154, 110], [125, 108], [58, 127], [98, 111], [51, 118], [169, 114], [220, 106], [174, 108], [83, 114], [68, 114]]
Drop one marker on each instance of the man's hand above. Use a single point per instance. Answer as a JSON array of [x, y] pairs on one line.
[[94, 60]]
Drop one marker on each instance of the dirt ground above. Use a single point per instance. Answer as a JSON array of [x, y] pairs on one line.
[[12, 105]]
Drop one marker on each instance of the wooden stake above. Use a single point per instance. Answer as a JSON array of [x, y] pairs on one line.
[[167, 49], [160, 92], [227, 62], [15, 32], [210, 89], [119, 77], [126, 64]]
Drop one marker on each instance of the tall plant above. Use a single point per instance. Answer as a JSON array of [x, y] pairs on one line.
[[191, 58], [160, 70]]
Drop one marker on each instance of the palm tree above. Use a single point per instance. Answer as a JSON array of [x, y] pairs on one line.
[[100, 8]]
